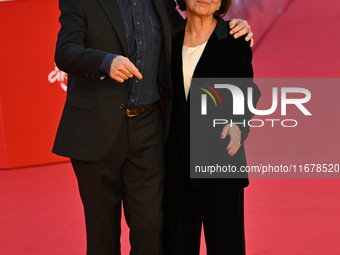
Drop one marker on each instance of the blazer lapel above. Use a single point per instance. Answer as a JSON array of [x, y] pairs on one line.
[[163, 17], [177, 65], [210, 51], [113, 12], [207, 56]]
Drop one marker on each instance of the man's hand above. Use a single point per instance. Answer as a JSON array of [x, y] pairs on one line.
[[235, 138], [123, 69], [241, 27]]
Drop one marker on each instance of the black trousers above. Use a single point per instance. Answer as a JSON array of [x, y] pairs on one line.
[[132, 174], [222, 217]]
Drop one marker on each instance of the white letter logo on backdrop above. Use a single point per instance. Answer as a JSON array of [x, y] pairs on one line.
[[58, 76]]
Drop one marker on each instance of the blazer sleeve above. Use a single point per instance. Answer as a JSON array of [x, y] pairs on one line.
[[71, 56], [245, 70]]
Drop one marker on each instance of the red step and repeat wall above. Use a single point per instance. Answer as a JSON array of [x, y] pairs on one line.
[[32, 89]]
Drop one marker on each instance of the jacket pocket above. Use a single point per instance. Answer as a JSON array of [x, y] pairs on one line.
[[80, 102]]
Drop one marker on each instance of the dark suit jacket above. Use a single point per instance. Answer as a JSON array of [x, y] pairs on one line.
[[223, 56], [94, 105]]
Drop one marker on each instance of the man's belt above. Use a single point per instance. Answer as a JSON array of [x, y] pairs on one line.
[[132, 112]]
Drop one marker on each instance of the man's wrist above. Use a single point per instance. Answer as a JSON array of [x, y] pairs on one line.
[[105, 66]]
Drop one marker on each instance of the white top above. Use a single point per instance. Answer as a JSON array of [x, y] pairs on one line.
[[190, 58]]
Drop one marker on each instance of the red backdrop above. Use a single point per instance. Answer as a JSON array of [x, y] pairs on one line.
[[32, 90], [30, 105]]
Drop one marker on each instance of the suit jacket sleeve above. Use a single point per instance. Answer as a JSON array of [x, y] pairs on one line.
[[71, 55]]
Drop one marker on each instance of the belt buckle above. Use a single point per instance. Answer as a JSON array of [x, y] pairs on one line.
[[129, 113]]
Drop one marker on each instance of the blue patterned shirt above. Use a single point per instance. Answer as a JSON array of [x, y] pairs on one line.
[[143, 33]]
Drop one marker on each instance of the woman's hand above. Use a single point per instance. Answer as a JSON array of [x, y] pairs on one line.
[[241, 27], [235, 138]]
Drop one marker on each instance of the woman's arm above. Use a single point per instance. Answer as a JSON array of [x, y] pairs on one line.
[[237, 132]]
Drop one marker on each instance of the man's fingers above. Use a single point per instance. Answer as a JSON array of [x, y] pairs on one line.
[[133, 71], [139, 75], [249, 36], [240, 25], [233, 23], [120, 76], [120, 80], [123, 72], [122, 69], [124, 76], [251, 42], [126, 72], [243, 31]]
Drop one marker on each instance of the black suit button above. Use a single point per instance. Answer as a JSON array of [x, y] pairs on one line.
[[184, 108]]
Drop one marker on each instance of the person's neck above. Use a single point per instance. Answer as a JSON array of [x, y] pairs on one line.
[[198, 29]]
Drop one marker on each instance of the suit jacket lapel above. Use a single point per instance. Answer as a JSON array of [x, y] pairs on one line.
[[166, 28], [160, 8], [177, 65], [112, 10]]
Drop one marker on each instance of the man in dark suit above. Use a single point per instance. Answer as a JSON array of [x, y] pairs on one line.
[[117, 56]]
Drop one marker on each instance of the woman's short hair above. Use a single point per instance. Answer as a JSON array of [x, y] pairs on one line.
[[224, 8]]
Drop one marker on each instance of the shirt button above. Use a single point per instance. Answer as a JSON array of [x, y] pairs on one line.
[[121, 106], [137, 81], [140, 42], [138, 61], [138, 23], [134, 3], [132, 100]]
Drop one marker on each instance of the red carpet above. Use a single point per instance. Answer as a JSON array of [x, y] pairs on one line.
[[41, 213], [302, 42], [298, 216]]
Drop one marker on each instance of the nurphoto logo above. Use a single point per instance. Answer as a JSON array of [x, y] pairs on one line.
[[242, 102]]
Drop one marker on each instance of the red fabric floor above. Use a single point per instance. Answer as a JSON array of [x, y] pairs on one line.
[[41, 213]]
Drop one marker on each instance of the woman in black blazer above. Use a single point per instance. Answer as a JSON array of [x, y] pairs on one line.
[[215, 203]]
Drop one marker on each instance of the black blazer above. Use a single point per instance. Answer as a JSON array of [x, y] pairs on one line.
[[94, 105], [223, 56]]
